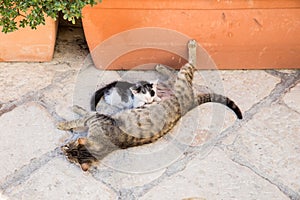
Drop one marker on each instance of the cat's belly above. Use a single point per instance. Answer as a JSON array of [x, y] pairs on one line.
[[147, 122]]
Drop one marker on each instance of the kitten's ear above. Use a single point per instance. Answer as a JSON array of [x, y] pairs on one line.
[[134, 90]]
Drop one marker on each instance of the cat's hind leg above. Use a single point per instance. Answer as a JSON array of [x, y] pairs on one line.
[[192, 52], [183, 85]]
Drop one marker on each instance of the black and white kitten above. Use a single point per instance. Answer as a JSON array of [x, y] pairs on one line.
[[125, 95]]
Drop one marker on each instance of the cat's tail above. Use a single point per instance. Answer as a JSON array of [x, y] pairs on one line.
[[96, 98], [217, 98]]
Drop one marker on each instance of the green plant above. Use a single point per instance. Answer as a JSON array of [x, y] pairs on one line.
[[17, 13]]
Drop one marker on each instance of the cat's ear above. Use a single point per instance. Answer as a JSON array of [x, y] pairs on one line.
[[85, 166]]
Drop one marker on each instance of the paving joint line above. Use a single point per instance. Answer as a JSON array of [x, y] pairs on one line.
[[32, 95], [24, 173], [275, 96], [97, 177], [283, 188], [287, 82], [173, 169]]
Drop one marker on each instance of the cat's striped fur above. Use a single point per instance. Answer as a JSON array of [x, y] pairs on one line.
[[138, 126]]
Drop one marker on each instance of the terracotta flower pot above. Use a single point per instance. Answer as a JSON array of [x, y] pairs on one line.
[[236, 34], [29, 45]]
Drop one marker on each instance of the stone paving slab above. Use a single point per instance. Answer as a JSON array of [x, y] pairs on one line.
[[245, 87], [17, 80], [215, 177], [218, 157], [121, 179], [270, 142], [59, 179], [27, 132]]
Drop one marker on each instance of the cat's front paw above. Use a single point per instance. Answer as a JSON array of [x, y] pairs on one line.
[[62, 126]]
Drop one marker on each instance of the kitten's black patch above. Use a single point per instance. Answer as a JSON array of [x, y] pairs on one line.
[[152, 93], [146, 86]]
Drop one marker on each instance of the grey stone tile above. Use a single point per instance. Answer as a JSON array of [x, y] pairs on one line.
[[121, 179], [270, 142], [60, 180], [27, 132], [18, 79], [214, 177], [245, 87], [59, 97]]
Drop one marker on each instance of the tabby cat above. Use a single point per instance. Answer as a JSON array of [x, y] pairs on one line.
[[138, 126]]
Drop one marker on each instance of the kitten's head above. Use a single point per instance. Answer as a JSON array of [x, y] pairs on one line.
[[145, 91]]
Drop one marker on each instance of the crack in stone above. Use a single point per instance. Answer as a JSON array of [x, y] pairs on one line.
[[24, 173], [97, 177], [283, 188], [288, 107], [30, 96], [275, 73], [280, 74]]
